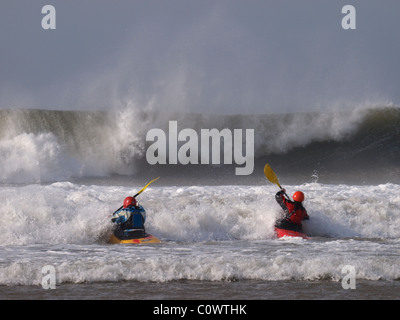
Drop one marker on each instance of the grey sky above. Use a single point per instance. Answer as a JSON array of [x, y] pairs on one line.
[[248, 56]]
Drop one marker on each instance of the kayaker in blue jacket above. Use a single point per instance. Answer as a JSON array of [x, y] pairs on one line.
[[129, 219]]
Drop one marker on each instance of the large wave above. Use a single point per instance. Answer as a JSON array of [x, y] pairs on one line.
[[43, 145]]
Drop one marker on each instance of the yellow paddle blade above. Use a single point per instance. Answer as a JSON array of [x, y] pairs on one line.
[[271, 176], [146, 186]]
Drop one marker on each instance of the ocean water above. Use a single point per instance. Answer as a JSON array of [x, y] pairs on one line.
[[64, 173]]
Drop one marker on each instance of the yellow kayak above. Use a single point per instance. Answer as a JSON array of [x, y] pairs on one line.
[[148, 238]]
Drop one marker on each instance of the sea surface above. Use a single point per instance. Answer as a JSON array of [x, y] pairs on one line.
[[64, 173]]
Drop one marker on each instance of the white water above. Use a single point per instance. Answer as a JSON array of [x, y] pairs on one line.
[[45, 146], [208, 233]]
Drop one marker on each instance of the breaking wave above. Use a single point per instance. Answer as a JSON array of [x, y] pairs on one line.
[[44, 145], [208, 233]]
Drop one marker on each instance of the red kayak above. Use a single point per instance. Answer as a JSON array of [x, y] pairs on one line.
[[289, 233]]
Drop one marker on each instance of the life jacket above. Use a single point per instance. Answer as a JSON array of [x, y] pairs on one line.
[[136, 220], [295, 212], [130, 218]]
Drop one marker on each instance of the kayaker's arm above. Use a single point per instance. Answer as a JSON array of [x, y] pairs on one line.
[[280, 198], [116, 216]]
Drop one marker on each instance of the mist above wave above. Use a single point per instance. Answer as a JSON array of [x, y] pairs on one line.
[[42, 145]]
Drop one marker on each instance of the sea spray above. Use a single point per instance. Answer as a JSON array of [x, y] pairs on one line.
[[48, 146], [62, 213], [208, 233], [30, 157]]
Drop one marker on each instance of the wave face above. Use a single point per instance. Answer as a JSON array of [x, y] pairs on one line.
[[45, 146], [39, 145]]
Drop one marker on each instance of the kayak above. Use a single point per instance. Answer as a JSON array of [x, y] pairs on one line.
[[289, 233], [147, 239], [143, 238]]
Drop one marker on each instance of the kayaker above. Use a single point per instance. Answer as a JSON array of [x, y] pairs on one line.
[[295, 213], [129, 219]]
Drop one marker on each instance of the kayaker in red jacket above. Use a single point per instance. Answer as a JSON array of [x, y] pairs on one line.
[[295, 213]]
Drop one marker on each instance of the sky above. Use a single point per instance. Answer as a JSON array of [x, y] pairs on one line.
[[221, 56]]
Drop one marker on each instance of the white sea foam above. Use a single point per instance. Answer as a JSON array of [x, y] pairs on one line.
[[208, 233], [69, 213]]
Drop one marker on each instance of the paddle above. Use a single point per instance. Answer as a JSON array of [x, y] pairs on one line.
[[140, 191], [271, 176]]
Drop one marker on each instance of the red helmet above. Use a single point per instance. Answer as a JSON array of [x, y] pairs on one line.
[[129, 201], [298, 196]]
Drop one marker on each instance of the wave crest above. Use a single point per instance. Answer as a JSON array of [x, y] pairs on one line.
[[43, 145]]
